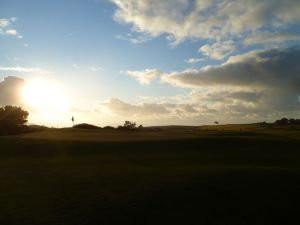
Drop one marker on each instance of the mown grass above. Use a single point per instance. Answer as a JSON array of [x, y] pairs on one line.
[[206, 175]]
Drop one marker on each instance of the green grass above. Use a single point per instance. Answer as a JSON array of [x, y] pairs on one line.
[[179, 175]]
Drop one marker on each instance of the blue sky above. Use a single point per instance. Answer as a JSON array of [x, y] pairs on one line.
[[150, 60]]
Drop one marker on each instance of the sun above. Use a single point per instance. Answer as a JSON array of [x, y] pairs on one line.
[[43, 95]]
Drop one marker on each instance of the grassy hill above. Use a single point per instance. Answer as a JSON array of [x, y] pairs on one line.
[[231, 174]]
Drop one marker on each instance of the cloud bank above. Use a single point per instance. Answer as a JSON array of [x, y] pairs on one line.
[[258, 84], [275, 68]]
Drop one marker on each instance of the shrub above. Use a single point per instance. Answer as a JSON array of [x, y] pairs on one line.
[[86, 126], [108, 128], [12, 119]]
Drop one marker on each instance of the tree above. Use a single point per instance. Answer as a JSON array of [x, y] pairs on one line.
[[12, 117], [283, 121], [294, 121], [129, 125]]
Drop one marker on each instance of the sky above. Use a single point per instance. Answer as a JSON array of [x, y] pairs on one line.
[[185, 62]]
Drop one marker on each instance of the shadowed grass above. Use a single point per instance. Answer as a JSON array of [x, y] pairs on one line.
[[189, 176]]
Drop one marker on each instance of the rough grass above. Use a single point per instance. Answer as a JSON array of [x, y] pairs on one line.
[[191, 175]]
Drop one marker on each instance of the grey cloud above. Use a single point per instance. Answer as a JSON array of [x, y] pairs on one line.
[[261, 104], [189, 108], [270, 38], [229, 96], [266, 69], [10, 91], [261, 83], [246, 96]]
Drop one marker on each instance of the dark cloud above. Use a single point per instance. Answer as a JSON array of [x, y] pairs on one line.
[[10, 90], [229, 96], [276, 68], [189, 108]]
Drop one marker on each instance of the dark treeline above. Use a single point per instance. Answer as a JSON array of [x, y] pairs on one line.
[[285, 121], [128, 125], [13, 120]]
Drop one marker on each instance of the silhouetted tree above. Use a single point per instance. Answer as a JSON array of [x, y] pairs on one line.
[[262, 124], [129, 125], [12, 117], [283, 121], [297, 121], [294, 121], [216, 123]]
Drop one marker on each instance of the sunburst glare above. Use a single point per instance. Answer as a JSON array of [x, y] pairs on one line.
[[42, 95]]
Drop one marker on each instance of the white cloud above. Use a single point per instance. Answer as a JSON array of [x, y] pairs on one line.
[[126, 109], [144, 77], [156, 113], [12, 32], [22, 69], [6, 22], [96, 68], [205, 107], [5, 27], [133, 39], [87, 68], [206, 19], [193, 60], [218, 50]]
